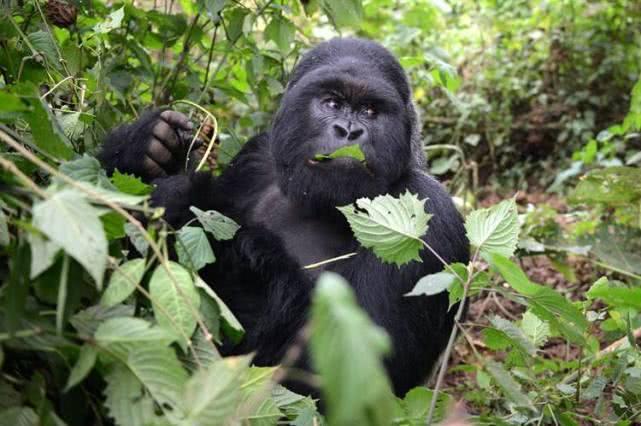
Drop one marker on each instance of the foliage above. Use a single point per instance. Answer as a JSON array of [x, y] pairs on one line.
[[100, 323]]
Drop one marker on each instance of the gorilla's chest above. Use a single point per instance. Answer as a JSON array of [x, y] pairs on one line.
[[307, 239]]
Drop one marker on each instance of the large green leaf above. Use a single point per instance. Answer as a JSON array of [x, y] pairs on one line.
[[45, 129], [281, 31], [391, 227], [122, 330], [354, 382], [123, 282], [126, 400], [193, 248], [68, 220], [343, 13], [494, 230], [212, 394], [175, 300], [87, 169]]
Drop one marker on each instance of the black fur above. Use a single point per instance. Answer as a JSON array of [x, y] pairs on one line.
[[286, 207]]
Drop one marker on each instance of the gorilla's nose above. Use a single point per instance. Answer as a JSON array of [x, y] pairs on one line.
[[350, 131]]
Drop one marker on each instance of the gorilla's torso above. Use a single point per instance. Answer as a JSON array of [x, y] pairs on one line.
[[307, 239]]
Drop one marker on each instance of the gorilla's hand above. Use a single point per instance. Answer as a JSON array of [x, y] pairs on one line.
[[166, 144], [154, 146]]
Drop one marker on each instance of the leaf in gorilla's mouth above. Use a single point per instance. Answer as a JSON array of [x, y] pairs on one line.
[[349, 151]]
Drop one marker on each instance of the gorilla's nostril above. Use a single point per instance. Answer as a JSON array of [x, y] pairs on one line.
[[340, 131], [355, 134]]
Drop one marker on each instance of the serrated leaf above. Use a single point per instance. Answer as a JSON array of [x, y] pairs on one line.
[[175, 301], [219, 225], [494, 230], [87, 169], [123, 282], [535, 329], [193, 248], [511, 389], [125, 399], [515, 334], [130, 330], [212, 394], [433, 284], [87, 321], [391, 227], [130, 184], [84, 364], [231, 326], [73, 224], [355, 386]]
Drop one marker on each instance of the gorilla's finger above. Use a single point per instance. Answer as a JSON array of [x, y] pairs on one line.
[[177, 119], [159, 153], [167, 135], [153, 168]]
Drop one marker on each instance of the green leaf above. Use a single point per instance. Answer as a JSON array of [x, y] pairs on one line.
[[43, 254], [417, 402], [545, 302], [123, 282], [617, 186], [354, 382], [514, 333], [113, 21], [87, 169], [137, 238], [4, 230], [43, 43], [130, 184], [433, 284], [351, 151], [88, 320], [175, 301], [45, 130], [535, 329], [231, 327], [281, 31], [19, 416], [217, 224], [122, 330], [212, 394], [73, 224], [84, 364], [494, 230], [193, 248], [619, 297], [391, 227], [511, 389], [125, 399], [343, 13]]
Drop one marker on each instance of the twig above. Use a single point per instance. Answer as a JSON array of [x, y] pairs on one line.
[[331, 260]]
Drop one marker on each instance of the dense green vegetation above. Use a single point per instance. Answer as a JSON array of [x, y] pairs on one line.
[[537, 104]]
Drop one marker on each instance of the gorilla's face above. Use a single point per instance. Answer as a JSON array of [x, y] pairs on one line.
[[343, 103]]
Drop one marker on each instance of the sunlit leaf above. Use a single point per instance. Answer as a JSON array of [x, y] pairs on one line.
[[391, 227], [494, 230], [193, 248], [123, 282]]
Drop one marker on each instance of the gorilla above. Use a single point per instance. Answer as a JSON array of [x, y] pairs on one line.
[[343, 92]]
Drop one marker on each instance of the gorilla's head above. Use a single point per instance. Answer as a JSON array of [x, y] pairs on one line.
[[344, 92]]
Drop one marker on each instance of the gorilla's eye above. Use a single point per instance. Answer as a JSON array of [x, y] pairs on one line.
[[370, 111], [333, 103]]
